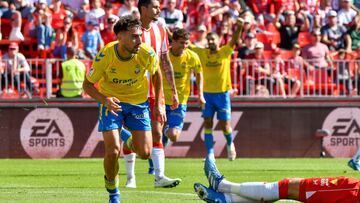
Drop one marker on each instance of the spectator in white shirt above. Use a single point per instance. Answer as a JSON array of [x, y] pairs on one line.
[[127, 8], [173, 17], [95, 13], [346, 13]]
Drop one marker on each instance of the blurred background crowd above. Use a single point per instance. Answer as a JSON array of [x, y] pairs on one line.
[[278, 36]]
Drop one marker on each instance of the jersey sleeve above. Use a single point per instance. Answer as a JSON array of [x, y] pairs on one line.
[[99, 65], [153, 63], [165, 42], [197, 64], [196, 49], [226, 50]]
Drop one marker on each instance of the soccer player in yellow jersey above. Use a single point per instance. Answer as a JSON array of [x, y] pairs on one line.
[[184, 61], [217, 83], [121, 69]]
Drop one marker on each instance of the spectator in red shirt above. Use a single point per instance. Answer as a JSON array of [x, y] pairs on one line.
[[257, 69], [58, 14], [224, 32], [280, 74], [287, 5], [108, 33], [65, 37], [103, 20], [261, 10]]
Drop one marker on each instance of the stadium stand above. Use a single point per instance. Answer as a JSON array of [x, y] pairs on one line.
[[314, 83]]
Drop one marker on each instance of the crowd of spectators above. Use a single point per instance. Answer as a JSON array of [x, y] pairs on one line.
[[313, 30]]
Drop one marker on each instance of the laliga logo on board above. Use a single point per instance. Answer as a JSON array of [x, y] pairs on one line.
[[46, 133], [344, 127]]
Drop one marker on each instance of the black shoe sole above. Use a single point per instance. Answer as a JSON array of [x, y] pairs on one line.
[[174, 184]]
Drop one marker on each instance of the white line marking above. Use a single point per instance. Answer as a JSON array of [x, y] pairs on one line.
[[162, 193], [41, 191], [123, 192]]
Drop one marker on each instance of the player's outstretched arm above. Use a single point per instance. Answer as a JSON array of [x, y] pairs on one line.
[[157, 82], [169, 75], [200, 83], [109, 102], [235, 37]]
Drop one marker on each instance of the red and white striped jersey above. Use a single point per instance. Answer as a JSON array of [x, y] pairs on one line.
[[156, 37]]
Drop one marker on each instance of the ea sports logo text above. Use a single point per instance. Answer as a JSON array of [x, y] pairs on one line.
[[42, 130], [46, 133], [344, 127]]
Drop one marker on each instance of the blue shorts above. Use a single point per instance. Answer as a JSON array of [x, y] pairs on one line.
[[219, 103], [134, 117], [175, 118]]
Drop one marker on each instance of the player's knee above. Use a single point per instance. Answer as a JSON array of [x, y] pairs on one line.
[[144, 154], [208, 123], [173, 137], [225, 126], [156, 134], [113, 153]]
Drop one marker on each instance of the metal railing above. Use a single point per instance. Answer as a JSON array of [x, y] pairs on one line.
[[250, 78], [289, 78]]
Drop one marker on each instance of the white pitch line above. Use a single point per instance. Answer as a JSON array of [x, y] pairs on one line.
[[161, 193], [78, 192], [133, 191]]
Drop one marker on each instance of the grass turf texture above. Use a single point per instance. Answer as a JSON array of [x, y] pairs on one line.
[[81, 180]]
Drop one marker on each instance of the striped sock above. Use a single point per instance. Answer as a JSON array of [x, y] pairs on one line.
[[209, 141], [126, 137], [112, 186], [151, 164], [228, 136], [165, 138]]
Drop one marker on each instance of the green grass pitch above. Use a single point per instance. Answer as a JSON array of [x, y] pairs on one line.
[[81, 180]]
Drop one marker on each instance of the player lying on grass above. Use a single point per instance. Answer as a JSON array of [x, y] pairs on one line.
[[316, 190]]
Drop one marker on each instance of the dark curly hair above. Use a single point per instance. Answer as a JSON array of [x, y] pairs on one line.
[[126, 22], [181, 33]]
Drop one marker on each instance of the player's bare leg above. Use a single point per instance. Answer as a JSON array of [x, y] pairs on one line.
[[158, 158], [173, 134], [227, 130], [111, 165], [142, 143]]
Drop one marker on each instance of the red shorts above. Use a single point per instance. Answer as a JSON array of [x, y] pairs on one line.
[[330, 190], [152, 104]]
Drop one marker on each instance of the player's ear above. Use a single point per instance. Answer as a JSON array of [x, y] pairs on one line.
[[120, 35]]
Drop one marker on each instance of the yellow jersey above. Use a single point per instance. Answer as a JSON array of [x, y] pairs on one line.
[[216, 68], [182, 66], [125, 80]]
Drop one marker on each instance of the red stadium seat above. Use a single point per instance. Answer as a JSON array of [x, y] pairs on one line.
[[5, 28], [116, 7], [304, 38], [261, 37], [286, 54], [320, 82], [268, 54]]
